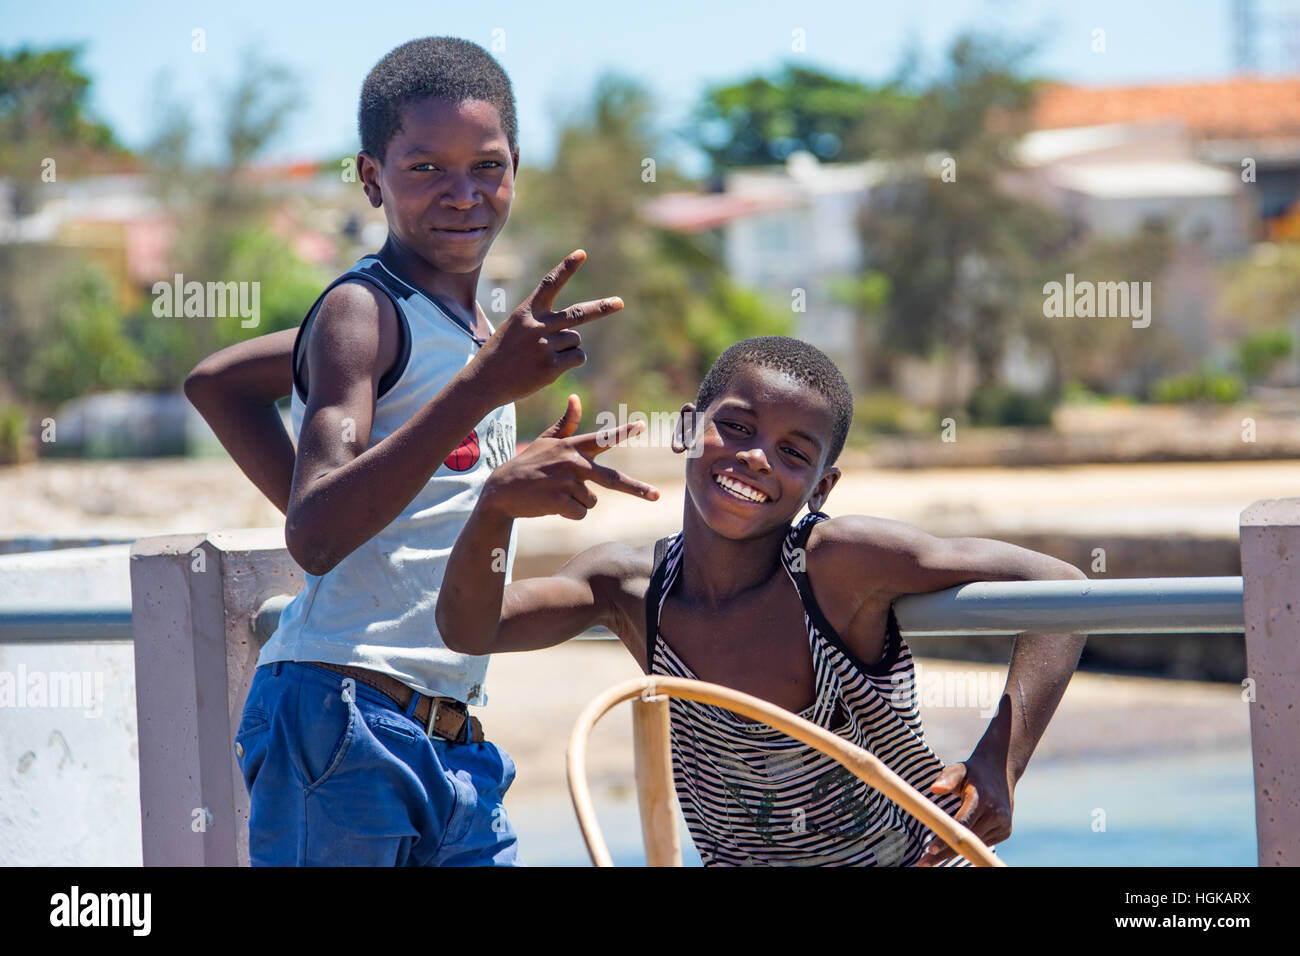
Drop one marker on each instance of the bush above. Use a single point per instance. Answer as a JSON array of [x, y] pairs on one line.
[[1258, 353], [882, 413], [13, 433], [1002, 405], [1202, 386], [83, 346]]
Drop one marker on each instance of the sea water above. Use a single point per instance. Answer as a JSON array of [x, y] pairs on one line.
[[1159, 809]]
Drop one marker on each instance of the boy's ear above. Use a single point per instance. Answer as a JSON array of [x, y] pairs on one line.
[[368, 170], [822, 490], [684, 430]]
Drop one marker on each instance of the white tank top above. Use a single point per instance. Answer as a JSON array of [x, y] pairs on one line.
[[375, 608]]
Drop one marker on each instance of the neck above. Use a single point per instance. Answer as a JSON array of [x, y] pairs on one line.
[[449, 288], [716, 569]]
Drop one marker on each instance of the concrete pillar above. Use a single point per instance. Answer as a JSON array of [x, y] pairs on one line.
[[192, 597], [1270, 569]]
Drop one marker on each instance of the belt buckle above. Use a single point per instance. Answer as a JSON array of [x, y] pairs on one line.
[[433, 716]]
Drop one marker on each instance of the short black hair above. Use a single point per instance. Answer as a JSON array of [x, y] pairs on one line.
[[447, 68], [803, 362]]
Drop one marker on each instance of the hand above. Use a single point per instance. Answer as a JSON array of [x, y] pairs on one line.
[[985, 807], [536, 344], [548, 477]]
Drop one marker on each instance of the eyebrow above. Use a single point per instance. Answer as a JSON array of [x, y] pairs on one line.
[[811, 439], [737, 404], [494, 151]]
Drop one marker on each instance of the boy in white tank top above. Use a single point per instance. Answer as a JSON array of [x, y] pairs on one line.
[[355, 742]]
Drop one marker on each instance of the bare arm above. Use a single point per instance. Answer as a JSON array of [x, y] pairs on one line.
[[345, 492], [901, 559], [235, 390], [477, 613]]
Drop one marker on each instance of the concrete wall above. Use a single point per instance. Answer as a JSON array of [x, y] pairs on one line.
[[69, 777]]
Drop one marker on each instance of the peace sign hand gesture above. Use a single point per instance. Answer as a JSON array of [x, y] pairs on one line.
[[550, 475], [537, 344]]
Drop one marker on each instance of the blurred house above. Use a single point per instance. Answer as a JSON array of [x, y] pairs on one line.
[[791, 232], [1246, 126], [1111, 180], [1217, 163], [119, 223]]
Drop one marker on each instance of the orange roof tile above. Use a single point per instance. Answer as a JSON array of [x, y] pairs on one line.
[[1240, 108]]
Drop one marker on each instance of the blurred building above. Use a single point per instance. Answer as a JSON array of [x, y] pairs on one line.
[[1246, 127], [121, 224], [1218, 164], [791, 232]]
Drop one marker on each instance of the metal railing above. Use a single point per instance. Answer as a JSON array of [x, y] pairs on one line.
[[1208, 605], [71, 622]]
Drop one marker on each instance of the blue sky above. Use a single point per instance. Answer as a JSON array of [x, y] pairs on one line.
[[553, 52]]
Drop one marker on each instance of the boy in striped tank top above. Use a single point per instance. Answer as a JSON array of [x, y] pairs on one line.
[[795, 611]]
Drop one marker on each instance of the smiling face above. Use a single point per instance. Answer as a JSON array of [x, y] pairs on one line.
[[446, 183], [759, 453]]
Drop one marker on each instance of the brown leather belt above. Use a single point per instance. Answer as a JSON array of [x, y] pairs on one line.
[[443, 717]]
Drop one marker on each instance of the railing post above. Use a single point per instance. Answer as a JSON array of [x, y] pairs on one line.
[[192, 597], [1270, 569], [654, 782]]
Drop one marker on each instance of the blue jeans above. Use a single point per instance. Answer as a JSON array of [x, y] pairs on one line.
[[348, 779]]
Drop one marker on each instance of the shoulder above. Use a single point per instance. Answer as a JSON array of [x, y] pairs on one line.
[[355, 330], [866, 535], [357, 307], [619, 576], [612, 565], [851, 557]]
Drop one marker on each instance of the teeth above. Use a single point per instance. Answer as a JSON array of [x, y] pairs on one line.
[[741, 490]]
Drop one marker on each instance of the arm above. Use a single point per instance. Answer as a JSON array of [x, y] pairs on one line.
[[235, 390], [477, 613], [902, 559], [344, 492], [334, 503]]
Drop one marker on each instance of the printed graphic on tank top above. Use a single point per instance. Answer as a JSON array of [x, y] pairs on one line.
[[375, 609], [753, 796]]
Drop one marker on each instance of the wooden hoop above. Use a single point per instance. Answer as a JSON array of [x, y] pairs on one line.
[[651, 785]]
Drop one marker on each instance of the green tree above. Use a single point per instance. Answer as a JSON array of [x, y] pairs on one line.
[[760, 121], [87, 350], [956, 247], [1098, 353], [223, 214], [681, 310], [43, 115], [1261, 292]]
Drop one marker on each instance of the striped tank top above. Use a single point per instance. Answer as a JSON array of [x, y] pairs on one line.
[[753, 796]]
